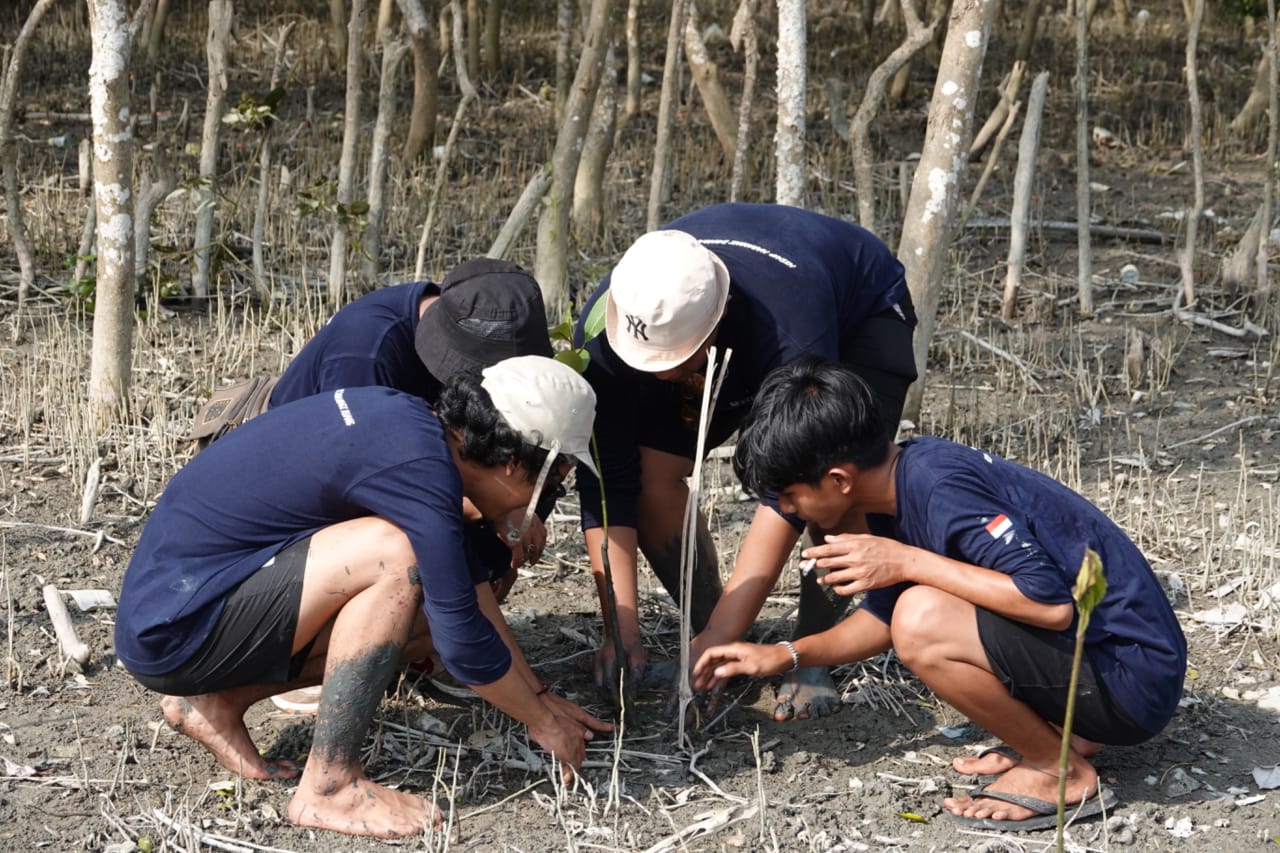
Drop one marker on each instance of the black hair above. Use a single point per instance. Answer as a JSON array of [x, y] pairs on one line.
[[808, 417], [487, 439]]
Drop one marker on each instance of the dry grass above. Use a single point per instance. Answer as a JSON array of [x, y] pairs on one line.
[[1208, 520]]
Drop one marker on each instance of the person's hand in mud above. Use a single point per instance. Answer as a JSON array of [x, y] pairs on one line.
[[563, 737], [608, 669], [563, 707]]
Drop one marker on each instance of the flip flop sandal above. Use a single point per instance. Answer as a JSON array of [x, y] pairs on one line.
[[1000, 749], [1046, 813]]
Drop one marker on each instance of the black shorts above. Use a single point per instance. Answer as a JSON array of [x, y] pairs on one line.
[[1035, 665], [879, 351], [252, 641]]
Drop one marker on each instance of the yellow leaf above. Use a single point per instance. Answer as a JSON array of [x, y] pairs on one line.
[[913, 817]]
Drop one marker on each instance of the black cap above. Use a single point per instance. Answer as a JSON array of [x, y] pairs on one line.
[[487, 311]]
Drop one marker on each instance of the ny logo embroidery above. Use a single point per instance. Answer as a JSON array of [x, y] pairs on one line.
[[636, 327]]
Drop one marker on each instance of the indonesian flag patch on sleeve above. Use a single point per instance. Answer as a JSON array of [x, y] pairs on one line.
[[999, 526]]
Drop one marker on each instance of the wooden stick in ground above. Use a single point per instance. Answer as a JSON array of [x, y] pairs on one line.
[[689, 543], [71, 644], [917, 37], [469, 94], [519, 216], [1273, 143], [1187, 258], [744, 34], [1010, 118], [1028, 146], [1000, 115]]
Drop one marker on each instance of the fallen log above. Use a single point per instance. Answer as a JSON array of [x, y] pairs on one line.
[[1115, 232], [72, 646]]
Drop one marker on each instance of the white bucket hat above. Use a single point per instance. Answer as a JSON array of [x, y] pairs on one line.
[[547, 401], [665, 298]]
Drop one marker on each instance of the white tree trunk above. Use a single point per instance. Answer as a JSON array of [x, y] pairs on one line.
[[588, 186], [8, 156], [113, 180], [220, 13], [1023, 181], [632, 104], [469, 94], [744, 35], [1273, 145], [347, 159], [1187, 261], [917, 37], [666, 116], [422, 118], [564, 42], [926, 229], [788, 139], [706, 76], [393, 51], [1084, 243], [551, 267], [260, 281]]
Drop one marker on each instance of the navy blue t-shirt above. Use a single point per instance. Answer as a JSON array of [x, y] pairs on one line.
[[980, 509], [368, 342], [281, 477], [800, 284]]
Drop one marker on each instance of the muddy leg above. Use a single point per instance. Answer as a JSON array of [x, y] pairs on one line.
[[334, 792], [664, 556]]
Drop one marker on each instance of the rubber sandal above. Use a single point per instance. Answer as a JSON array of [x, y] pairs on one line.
[[304, 700], [1046, 813]]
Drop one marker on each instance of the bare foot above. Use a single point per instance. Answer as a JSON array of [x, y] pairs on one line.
[[219, 726], [806, 692], [1025, 781], [357, 806], [992, 761]]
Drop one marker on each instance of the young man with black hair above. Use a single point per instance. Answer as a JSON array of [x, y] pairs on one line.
[[771, 283], [322, 542], [967, 575]]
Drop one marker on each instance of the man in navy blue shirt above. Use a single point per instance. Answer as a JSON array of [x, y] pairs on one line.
[[968, 576], [414, 337], [770, 283], [322, 542]]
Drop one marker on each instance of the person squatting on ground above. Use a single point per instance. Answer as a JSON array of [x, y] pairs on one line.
[[414, 337], [771, 283], [967, 575], [322, 543]]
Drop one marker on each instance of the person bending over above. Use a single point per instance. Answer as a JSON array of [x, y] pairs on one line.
[[415, 337], [322, 543], [771, 283], [967, 575]]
